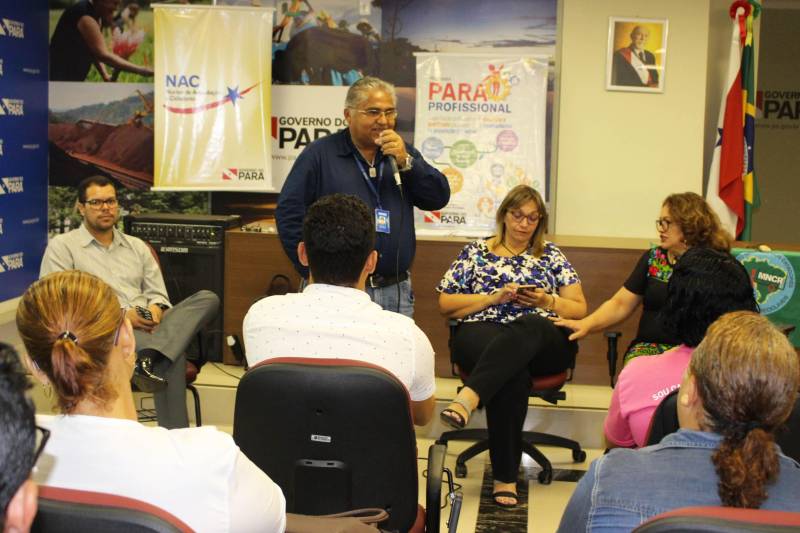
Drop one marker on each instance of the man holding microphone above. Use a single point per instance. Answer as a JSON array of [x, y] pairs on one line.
[[370, 160]]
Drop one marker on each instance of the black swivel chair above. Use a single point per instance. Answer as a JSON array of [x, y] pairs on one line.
[[68, 510], [547, 388], [336, 435]]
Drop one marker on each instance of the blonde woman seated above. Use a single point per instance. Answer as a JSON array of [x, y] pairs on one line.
[[740, 387], [83, 346], [503, 290]]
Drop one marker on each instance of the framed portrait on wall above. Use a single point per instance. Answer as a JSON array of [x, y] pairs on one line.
[[637, 53]]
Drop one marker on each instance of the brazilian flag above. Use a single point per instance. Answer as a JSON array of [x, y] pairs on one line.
[[752, 198]]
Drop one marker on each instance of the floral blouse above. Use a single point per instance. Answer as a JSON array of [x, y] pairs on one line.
[[477, 270]]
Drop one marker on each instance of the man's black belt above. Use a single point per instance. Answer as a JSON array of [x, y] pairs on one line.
[[376, 281]]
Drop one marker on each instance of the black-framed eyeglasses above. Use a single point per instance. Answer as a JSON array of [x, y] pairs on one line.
[[96, 203], [374, 113], [519, 216], [42, 436], [663, 224]]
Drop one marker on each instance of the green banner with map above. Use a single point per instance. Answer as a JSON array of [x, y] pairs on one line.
[[774, 277]]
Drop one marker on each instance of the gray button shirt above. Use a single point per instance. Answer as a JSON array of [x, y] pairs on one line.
[[127, 265]]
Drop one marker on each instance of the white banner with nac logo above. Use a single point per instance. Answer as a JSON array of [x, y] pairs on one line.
[[481, 122], [212, 98]]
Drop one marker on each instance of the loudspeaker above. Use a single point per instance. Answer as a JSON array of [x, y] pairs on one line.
[[191, 250]]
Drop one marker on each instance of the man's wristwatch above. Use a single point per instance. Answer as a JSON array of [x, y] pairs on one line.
[[408, 164]]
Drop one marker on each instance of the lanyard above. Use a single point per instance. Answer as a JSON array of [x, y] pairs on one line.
[[369, 181]]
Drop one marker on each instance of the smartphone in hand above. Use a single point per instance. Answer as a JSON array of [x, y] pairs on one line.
[[144, 312], [527, 288]]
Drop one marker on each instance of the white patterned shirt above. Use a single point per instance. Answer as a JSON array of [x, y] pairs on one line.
[[328, 321]]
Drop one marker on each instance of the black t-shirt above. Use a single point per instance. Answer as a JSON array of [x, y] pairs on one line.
[[649, 280], [70, 57]]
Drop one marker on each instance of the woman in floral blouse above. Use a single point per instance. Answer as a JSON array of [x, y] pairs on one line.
[[504, 291], [686, 220]]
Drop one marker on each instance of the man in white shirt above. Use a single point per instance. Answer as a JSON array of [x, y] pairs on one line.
[[334, 317], [127, 264]]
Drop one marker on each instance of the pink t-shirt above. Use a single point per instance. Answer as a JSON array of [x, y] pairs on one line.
[[641, 386]]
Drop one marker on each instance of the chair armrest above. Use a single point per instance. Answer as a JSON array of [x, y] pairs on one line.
[[433, 487], [612, 337]]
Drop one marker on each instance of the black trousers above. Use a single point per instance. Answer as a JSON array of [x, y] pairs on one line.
[[501, 359]]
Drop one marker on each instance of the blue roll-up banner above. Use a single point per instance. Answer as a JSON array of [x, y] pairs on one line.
[[23, 143]]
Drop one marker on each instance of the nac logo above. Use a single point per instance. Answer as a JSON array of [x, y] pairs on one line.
[[12, 28], [11, 185], [182, 80], [11, 262], [12, 106], [1, 146], [1, 226], [1, 66]]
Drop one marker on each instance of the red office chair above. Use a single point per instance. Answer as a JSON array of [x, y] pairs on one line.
[[720, 520], [336, 435], [549, 389], [68, 510]]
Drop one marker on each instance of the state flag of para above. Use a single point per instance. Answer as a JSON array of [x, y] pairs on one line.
[[725, 191]]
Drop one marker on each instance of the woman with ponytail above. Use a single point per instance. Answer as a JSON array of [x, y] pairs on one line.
[[739, 388], [81, 344]]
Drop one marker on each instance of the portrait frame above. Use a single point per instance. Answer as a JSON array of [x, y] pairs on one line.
[[639, 66]]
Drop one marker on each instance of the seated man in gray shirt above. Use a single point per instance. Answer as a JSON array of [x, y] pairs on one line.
[[128, 265]]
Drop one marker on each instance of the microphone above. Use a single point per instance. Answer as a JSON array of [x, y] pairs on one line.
[[395, 170]]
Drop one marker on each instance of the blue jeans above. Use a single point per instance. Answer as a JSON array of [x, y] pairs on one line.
[[386, 297]]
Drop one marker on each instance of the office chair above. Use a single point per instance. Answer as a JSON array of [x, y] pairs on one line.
[[192, 367], [547, 388], [665, 419], [335, 435], [721, 520], [68, 510]]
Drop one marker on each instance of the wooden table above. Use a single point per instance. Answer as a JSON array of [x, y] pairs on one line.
[[253, 258]]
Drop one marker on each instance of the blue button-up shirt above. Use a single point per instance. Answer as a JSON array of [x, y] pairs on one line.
[[328, 166], [626, 487]]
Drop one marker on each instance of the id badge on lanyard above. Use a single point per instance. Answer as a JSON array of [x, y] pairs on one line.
[[382, 221], [382, 216]]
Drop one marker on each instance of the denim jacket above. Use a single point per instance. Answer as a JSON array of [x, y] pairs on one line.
[[626, 487]]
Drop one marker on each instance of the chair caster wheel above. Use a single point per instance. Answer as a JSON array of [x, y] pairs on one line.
[[461, 470], [545, 477], [578, 456]]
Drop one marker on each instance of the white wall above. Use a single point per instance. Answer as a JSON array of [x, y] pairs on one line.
[[620, 153]]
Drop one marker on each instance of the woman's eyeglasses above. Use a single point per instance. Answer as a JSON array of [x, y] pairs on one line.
[[518, 217], [119, 327], [663, 224]]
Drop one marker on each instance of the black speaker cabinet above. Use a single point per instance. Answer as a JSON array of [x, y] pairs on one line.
[[191, 250]]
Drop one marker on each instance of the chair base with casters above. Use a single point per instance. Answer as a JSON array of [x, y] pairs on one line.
[[548, 388]]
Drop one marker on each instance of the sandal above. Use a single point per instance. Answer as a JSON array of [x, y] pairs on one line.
[[506, 494], [453, 418]]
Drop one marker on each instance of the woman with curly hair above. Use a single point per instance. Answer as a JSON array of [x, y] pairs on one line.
[[686, 221], [705, 285], [739, 388]]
